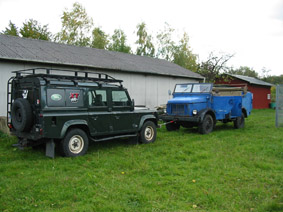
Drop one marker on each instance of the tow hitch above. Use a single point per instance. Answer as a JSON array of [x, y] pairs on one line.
[[169, 122]]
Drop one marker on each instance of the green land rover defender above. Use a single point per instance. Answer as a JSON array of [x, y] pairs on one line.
[[70, 108]]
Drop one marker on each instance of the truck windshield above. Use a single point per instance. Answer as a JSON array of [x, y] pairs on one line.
[[193, 88]]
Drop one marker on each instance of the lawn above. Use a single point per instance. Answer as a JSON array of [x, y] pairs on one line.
[[227, 170]]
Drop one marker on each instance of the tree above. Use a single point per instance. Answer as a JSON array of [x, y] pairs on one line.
[[33, 29], [76, 25], [144, 42], [118, 42], [11, 30], [180, 53], [274, 79], [183, 56], [99, 39], [166, 45], [214, 66], [244, 70]]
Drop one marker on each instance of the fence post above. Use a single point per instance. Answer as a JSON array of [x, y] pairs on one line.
[[279, 106]]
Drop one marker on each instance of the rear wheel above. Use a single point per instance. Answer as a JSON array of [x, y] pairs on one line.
[[148, 132], [207, 125], [75, 143], [239, 122]]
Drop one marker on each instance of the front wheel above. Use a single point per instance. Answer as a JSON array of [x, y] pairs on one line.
[[75, 143], [148, 132], [239, 122], [207, 125]]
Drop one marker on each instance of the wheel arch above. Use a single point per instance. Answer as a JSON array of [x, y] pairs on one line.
[[244, 111], [207, 111], [81, 124], [147, 118]]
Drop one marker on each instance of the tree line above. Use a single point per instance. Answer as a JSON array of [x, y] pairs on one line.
[[78, 29]]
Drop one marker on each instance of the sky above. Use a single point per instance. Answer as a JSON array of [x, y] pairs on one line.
[[252, 30]]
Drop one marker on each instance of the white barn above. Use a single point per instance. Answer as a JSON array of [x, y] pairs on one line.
[[147, 79]]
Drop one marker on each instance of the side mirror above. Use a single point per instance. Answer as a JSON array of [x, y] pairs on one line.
[[169, 92], [133, 104]]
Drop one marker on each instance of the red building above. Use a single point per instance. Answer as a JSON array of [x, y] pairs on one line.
[[259, 88]]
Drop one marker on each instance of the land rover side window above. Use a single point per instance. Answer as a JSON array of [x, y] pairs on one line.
[[97, 98], [120, 98], [64, 98]]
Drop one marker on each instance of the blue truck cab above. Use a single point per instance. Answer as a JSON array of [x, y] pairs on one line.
[[203, 104]]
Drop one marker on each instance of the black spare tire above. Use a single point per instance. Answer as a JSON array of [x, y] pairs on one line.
[[21, 115]]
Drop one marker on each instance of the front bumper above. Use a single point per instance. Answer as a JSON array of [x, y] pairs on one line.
[[166, 118]]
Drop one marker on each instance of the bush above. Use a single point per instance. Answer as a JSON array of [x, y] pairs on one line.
[[273, 94]]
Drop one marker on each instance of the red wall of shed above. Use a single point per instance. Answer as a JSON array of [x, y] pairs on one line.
[[260, 93]]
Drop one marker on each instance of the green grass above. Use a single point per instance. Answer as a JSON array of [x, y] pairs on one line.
[[227, 170]]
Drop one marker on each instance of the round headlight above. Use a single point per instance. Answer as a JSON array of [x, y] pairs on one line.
[[195, 112]]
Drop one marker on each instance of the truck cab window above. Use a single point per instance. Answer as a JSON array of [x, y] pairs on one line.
[[120, 98], [97, 98]]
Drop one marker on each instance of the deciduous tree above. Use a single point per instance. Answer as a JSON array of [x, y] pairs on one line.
[[76, 26], [144, 42], [118, 42], [11, 30], [183, 56], [33, 29], [166, 45], [274, 79], [99, 39], [214, 66], [244, 70]]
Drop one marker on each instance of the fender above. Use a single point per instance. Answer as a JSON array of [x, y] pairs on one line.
[[202, 113], [144, 118], [245, 112], [71, 123]]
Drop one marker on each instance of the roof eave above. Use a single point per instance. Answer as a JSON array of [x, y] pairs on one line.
[[98, 68], [232, 75]]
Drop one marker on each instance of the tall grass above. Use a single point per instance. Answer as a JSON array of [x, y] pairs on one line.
[[227, 170]]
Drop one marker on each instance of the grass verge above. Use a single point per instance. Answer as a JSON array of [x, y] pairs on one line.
[[227, 170]]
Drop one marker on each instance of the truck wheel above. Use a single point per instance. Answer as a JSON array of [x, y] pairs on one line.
[[207, 125], [75, 143], [21, 115], [239, 122], [172, 126], [148, 132]]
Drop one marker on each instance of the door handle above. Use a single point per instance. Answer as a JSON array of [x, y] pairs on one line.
[[117, 117], [94, 118]]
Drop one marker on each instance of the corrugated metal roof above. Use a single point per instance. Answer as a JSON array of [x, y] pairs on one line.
[[251, 80], [25, 49]]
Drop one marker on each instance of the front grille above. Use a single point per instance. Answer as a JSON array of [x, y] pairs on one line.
[[178, 109]]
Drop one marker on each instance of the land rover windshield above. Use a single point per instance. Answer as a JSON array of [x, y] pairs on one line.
[[193, 88]]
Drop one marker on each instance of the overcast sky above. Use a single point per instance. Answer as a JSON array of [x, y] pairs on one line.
[[250, 29]]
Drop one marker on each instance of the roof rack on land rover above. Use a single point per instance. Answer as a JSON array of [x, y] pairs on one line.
[[77, 75]]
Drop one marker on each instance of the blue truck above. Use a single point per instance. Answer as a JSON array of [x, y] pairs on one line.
[[203, 104]]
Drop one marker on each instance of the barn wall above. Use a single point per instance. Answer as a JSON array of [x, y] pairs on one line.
[[148, 90], [260, 93], [260, 96]]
